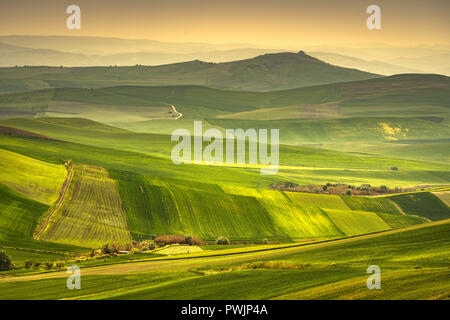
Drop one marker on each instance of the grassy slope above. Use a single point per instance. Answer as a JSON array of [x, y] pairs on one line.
[[444, 196], [411, 172], [279, 71], [36, 179], [413, 264], [175, 207], [18, 216], [18, 219], [365, 96], [371, 204], [398, 256], [367, 129], [357, 222], [91, 213], [400, 221], [397, 108], [275, 213], [162, 207], [424, 204]]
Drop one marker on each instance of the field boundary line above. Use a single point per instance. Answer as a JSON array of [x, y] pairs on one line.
[[59, 201], [398, 207]]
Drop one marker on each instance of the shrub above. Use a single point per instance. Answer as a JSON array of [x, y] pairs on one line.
[[116, 247], [28, 264], [106, 249], [161, 241], [48, 265], [134, 250], [111, 248], [5, 262], [175, 239], [60, 264], [146, 245], [192, 241], [223, 241], [394, 168]]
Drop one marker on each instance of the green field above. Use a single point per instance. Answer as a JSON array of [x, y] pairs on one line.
[[19, 217], [36, 179], [91, 212], [444, 196], [84, 164], [357, 222], [423, 204], [262, 73], [334, 270], [371, 204]]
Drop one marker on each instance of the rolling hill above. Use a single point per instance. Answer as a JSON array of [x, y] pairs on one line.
[[268, 72], [201, 200]]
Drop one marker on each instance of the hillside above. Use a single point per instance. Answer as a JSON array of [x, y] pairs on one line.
[[207, 201], [267, 72], [330, 270], [280, 71], [397, 116]]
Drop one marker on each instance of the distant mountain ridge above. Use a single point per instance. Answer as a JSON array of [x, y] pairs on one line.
[[268, 72], [78, 51], [280, 71]]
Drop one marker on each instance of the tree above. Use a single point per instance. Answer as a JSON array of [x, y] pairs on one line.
[[5, 262], [223, 241], [107, 249]]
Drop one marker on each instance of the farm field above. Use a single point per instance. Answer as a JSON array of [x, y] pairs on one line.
[[87, 178], [424, 204], [289, 273], [42, 181], [19, 217], [91, 212], [444, 196], [261, 73]]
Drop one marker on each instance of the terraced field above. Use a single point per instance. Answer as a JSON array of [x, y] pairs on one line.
[[91, 213]]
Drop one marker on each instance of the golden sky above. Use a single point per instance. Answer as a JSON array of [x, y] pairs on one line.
[[261, 22]]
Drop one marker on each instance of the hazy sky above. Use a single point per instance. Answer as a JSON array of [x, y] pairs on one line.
[[277, 23]]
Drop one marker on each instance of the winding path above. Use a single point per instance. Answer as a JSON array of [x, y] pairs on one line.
[[174, 110]]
